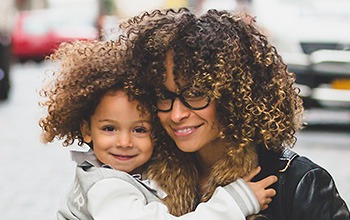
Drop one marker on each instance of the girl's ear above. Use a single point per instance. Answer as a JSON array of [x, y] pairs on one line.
[[86, 131]]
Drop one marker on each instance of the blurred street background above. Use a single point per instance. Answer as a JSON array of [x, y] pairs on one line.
[[312, 36]]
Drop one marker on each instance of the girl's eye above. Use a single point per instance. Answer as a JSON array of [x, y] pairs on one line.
[[108, 128], [141, 130]]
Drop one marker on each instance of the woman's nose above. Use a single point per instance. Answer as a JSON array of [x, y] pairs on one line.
[[179, 111], [124, 140]]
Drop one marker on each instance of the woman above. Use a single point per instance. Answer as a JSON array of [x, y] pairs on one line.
[[226, 97]]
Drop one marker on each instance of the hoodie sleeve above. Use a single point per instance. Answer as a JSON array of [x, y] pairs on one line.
[[114, 198], [244, 196]]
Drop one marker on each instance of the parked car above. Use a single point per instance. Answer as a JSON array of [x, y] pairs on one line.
[[313, 37], [7, 10], [5, 63], [38, 33]]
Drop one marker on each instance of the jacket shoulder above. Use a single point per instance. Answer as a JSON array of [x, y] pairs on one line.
[[309, 189]]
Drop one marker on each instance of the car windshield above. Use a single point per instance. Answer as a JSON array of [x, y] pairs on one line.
[[35, 25], [320, 8]]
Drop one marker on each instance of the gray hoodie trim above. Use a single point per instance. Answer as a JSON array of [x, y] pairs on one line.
[[244, 196]]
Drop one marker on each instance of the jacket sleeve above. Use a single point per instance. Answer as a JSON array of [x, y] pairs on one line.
[[316, 198], [114, 198]]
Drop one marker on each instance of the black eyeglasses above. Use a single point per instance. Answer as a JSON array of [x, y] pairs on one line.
[[191, 98]]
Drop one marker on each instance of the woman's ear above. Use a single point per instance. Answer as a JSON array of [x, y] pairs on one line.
[[86, 131]]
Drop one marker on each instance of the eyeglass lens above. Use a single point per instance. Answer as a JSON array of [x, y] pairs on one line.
[[193, 99]]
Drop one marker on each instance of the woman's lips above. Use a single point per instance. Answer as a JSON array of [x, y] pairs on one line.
[[185, 131]]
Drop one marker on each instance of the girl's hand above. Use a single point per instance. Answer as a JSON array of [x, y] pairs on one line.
[[262, 193]]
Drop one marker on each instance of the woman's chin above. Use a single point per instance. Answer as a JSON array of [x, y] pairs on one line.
[[187, 147]]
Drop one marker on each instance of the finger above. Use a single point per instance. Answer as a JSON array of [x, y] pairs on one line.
[[268, 181], [264, 207], [268, 201], [270, 192], [252, 174]]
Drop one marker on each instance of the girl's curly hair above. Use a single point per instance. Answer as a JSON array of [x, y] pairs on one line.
[[86, 72], [227, 56]]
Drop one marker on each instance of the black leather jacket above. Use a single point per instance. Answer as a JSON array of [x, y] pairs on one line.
[[305, 191]]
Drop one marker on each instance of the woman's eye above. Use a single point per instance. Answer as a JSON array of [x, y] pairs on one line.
[[160, 96], [108, 128]]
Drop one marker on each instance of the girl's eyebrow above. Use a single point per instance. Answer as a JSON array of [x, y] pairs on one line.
[[144, 121], [136, 121], [106, 120]]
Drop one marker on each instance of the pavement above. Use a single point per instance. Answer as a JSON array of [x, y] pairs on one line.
[[34, 176]]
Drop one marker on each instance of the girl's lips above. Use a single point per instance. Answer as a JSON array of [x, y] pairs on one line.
[[123, 157]]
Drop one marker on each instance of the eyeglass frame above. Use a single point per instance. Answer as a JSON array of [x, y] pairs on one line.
[[174, 95]]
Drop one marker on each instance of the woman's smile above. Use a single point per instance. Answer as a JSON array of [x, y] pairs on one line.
[[185, 131]]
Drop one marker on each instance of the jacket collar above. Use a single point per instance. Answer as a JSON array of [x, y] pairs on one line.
[[86, 159]]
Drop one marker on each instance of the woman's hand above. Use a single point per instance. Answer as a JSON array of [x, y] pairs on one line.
[[262, 193]]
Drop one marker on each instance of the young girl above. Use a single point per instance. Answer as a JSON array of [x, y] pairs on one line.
[[94, 100]]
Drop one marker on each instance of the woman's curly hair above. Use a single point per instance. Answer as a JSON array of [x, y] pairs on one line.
[[227, 56]]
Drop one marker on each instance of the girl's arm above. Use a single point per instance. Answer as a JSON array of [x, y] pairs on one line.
[[117, 199], [114, 198]]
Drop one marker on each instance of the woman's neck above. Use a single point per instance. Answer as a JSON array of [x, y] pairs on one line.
[[208, 155]]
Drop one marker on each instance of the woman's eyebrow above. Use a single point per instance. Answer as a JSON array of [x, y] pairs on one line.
[[162, 88]]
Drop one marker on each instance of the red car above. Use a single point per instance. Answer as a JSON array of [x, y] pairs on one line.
[[38, 33]]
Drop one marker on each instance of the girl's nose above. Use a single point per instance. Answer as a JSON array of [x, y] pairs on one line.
[[124, 140], [179, 111]]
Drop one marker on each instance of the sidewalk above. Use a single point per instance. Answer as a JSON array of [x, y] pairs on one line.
[[33, 176]]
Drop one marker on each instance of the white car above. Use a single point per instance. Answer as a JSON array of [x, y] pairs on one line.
[[313, 37]]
